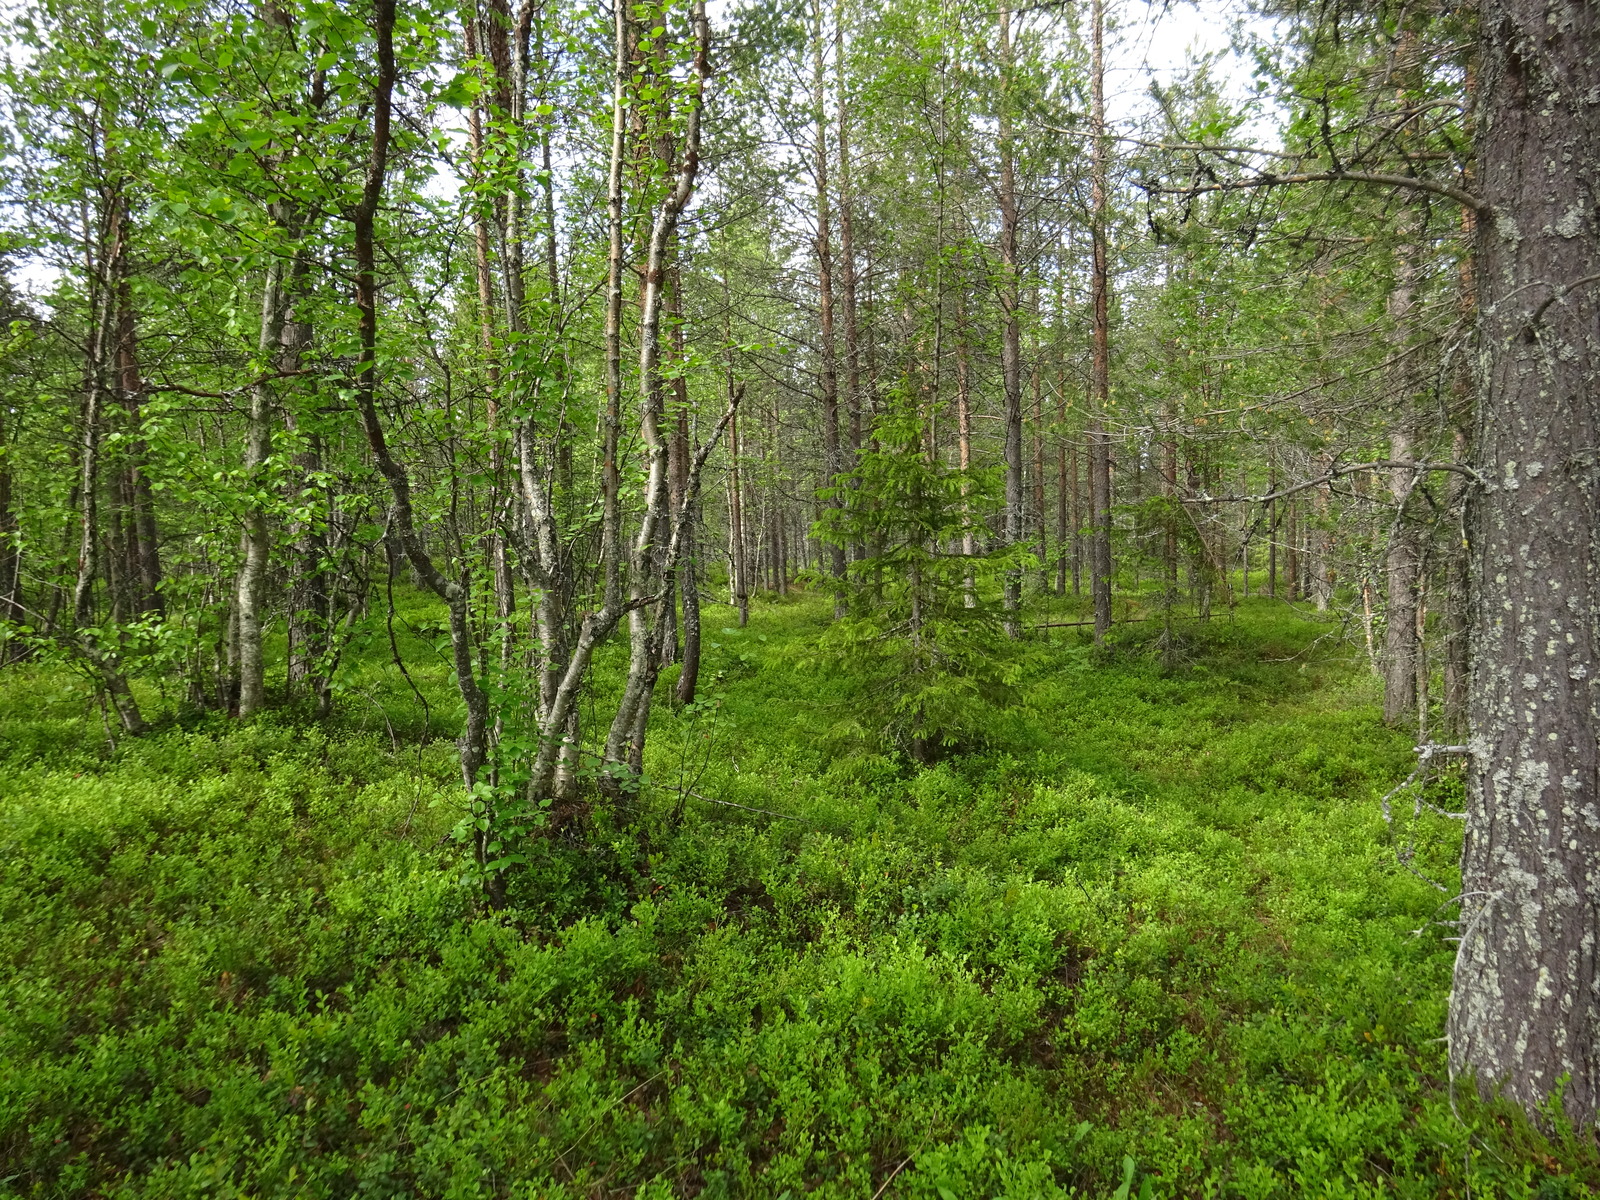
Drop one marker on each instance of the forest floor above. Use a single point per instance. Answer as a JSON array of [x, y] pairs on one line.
[[1150, 939]]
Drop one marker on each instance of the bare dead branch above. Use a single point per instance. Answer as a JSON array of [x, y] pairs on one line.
[[1338, 472], [1336, 175]]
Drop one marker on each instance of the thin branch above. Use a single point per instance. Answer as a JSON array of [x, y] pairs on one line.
[[1559, 294], [1379, 179], [1380, 465], [151, 389], [682, 791]]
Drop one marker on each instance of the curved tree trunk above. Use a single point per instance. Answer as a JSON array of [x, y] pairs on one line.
[[651, 573]]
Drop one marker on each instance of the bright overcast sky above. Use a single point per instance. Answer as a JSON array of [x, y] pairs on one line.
[[1159, 39], [1163, 40]]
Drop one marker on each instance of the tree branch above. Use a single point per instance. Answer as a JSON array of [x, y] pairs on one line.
[[1338, 472], [1337, 175]]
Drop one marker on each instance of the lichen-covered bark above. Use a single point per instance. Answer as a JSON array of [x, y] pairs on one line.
[[1525, 1000]]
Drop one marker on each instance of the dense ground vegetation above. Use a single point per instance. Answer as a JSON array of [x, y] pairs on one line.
[[1145, 935], [1152, 741]]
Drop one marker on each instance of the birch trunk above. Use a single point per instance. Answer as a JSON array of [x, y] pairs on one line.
[[251, 583], [473, 742], [649, 575]]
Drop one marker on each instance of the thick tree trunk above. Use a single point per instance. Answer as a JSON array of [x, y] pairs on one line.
[[738, 565], [1291, 550], [1169, 546], [688, 567], [310, 618], [611, 418], [499, 563], [778, 514], [1457, 556], [1457, 616], [1314, 546], [89, 474], [98, 647], [1040, 517], [1525, 1002], [1272, 526], [310, 623], [1076, 517], [1063, 497], [689, 584]]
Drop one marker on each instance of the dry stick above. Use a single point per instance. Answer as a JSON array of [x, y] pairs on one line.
[[150, 389], [683, 791], [394, 740], [1076, 624], [474, 736], [1560, 293], [884, 1186], [1425, 754], [561, 1156]]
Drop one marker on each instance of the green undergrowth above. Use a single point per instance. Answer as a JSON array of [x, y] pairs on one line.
[[1147, 935]]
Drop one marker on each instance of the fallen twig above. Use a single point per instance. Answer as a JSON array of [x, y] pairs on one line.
[[682, 791]]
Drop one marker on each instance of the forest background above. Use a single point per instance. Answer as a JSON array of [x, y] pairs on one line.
[[600, 601]]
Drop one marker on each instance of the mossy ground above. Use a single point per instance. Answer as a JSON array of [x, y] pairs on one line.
[[1150, 937]]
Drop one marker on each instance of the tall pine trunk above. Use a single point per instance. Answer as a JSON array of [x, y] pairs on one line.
[[832, 460], [1100, 400], [1400, 642], [1011, 327]]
